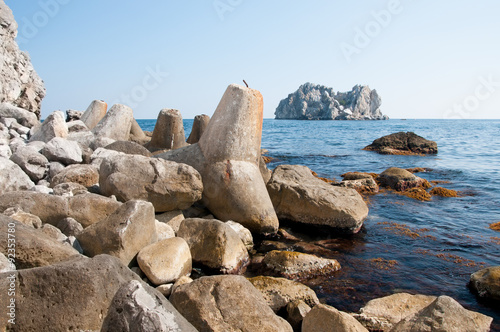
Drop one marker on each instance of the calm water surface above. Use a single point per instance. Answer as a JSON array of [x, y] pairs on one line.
[[405, 245]]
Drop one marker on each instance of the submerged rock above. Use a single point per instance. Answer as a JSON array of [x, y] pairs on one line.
[[318, 102], [227, 157], [486, 282], [299, 196], [403, 143]]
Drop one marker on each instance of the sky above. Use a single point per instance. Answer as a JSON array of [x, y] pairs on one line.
[[426, 59]]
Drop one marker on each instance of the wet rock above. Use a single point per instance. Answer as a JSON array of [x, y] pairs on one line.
[[172, 219], [168, 132], [53, 126], [85, 175], [129, 148], [165, 261], [227, 158], [136, 308], [326, 318], [94, 113], [383, 313], [33, 247], [279, 292], [401, 180], [64, 151], [200, 123], [215, 245], [72, 295], [444, 314], [226, 303], [116, 123], [295, 265], [299, 196], [27, 219], [123, 234], [403, 143], [167, 185], [486, 282], [12, 177]]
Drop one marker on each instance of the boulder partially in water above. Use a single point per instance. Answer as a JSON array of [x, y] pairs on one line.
[[403, 143], [486, 282], [400, 179]]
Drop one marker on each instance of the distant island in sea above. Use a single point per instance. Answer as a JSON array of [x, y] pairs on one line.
[[318, 102]]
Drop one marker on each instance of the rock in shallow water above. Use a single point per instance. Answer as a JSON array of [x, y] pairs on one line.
[[486, 282], [300, 197], [403, 143]]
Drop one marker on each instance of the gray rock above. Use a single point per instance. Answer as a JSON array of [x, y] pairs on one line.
[[167, 185], [77, 126], [53, 126], [37, 145], [5, 151], [168, 132], [299, 196], [318, 102], [12, 177], [94, 113], [101, 154], [69, 226], [326, 318], [116, 123], [279, 292], [34, 164], [136, 308], [69, 189], [123, 234], [85, 175], [129, 148], [16, 143], [42, 188], [24, 117], [55, 168], [165, 261], [227, 158], [72, 295], [226, 303], [5, 264], [63, 150], [101, 142], [73, 115], [444, 314], [215, 245], [200, 123], [296, 265], [136, 133], [33, 247], [486, 282], [73, 242]]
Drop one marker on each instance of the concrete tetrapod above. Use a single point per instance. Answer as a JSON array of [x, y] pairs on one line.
[[227, 157]]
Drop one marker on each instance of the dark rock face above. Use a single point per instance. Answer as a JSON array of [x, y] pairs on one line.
[[20, 85], [318, 102], [403, 143]]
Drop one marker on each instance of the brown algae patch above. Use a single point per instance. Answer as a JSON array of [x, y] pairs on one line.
[[495, 226], [383, 264], [405, 230], [443, 192], [452, 258], [323, 179], [417, 193]]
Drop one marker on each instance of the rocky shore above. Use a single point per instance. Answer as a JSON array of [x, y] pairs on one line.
[[104, 227]]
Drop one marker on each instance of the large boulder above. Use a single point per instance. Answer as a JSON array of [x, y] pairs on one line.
[[12, 177], [53, 126], [383, 313], [200, 123], [299, 196], [69, 296], [116, 123], [403, 143], [123, 234], [33, 248], [296, 265], [324, 318], [227, 157], [215, 245], [136, 308], [168, 132], [486, 282], [20, 85], [318, 102], [167, 185], [165, 261], [33, 163], [400, 179], [64, 151], [22, 116], [226, 303], [87, 209], [444, 314], [94, 113], [278, 292], [129, 148], [85, 175]]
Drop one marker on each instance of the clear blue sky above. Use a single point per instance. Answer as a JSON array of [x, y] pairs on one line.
[[427, 59]]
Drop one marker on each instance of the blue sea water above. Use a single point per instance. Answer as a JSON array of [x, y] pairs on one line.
[[405, 245]]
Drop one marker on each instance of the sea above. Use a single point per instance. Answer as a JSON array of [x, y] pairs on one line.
[[406, 245]]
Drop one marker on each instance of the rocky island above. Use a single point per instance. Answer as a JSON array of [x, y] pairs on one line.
[[318, 102]]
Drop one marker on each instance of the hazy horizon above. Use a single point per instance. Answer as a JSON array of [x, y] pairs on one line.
[[426, 60]]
